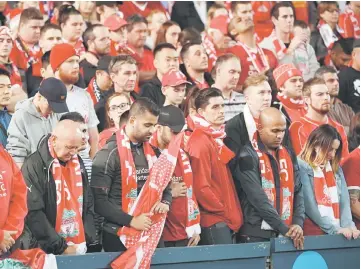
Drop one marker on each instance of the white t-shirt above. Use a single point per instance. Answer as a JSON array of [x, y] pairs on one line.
[[79, 100]]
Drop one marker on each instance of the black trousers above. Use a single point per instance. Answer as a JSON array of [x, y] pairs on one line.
[[174, 244], [112, 243], [216, 234], [251, 239]]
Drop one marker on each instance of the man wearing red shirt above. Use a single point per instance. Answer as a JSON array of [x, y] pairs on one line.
[[25, 49], [13, 204], [351, 170], [349, 21], [254, 59], [143, 8], [317, 98], [290, 83], [213, 184]]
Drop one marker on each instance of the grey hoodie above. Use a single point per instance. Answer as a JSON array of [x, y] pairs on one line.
[[26, 129]]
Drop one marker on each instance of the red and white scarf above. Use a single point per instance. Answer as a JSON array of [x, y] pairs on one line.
[[224, 153], [286, 183], [142, 244], [31, 54], [128, 171], [69, 200], [193, 214], [355, 23], [326, 193], [259, 66], [292, 103], [328, 35], [280, 47], [34, 258], [209, 47]]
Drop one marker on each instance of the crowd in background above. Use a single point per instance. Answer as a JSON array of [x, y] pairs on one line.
[[187, 123]]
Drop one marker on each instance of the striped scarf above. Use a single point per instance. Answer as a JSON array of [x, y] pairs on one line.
[[328, 35]]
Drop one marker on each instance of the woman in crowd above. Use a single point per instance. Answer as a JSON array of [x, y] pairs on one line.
[[327, 201], [168, 33], [115, 106]]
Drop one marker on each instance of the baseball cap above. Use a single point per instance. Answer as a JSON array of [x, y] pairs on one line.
[[114, 22], [174, 78], [104, 62], [220, 23], [55, 92], [172, 117]]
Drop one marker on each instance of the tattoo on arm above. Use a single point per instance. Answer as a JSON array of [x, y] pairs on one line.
[[354, 196]]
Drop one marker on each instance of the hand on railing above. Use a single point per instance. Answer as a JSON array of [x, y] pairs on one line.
[[296, 234]]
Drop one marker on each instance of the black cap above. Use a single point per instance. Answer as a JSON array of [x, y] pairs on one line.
[[55, 92], [356, 43], [172, 117], [104, 62]]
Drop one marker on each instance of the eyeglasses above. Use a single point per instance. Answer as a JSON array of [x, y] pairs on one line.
[[122, 106], [332, 10]]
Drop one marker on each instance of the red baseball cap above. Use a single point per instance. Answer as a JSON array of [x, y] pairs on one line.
[[174, 78], [220, 23], [114, 22]]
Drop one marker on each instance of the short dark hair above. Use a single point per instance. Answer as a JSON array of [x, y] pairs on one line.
[[134, 19], [301, 24], [123, 118], [186, 47], [202, 99], [143, 105], [65, 11], [325, 70], [89, 35], [345, 44], [73, 116], [162, 46], [189, 35], [275, 11], [29, 14], [45, 59], [49, 26], [4, 72]]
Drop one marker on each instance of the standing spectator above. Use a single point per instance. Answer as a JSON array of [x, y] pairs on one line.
[[128, 148], [105, 9], [137, 35], [61, 223], [182, 224], [5, 94], [143, 8], [339, 111], [290, 83], [174, 88], [254, 59], [349, 20], [101, 83], [65, 64], [34, 118], [165, 59], [72, 26], [13, 203], [269, 185], [227, 71], [155, 20], [123, 72], [190, 14], [25, 49], [288, 49], [97, 44], [350, 80], [168, 33], [351, 170], [317, 98], [327, 201], [242, 128], [195, 65], [328, 31], [213, 185], [116, 105]]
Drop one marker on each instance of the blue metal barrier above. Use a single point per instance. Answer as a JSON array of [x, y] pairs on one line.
[[321, 252]]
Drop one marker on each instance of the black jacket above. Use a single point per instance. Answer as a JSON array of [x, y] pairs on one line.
[[106, 184], [207, 77], [254, 201], [41, 219], [153, 90]]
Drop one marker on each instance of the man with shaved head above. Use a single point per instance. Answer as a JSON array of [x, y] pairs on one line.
[[60, 218], [268, 183]]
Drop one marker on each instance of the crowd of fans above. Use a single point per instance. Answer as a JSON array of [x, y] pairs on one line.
[[264, 97]]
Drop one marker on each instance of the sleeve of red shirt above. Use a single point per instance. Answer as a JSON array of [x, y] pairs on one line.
[[351, 170], [18, 203], [345, 151], [200, 157], [345, 23], [295, 136]]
